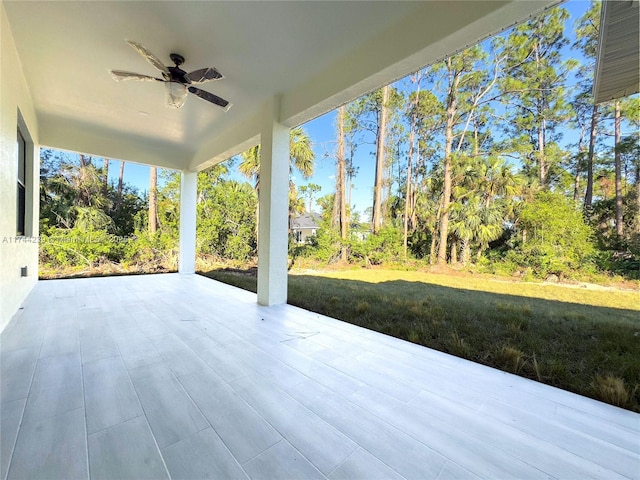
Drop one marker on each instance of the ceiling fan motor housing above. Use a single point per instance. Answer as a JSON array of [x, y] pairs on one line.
[[176, 58]]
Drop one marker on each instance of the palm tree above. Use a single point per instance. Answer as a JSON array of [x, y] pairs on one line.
[[301, 158], [474, 221], [300, 153], [498, 180]]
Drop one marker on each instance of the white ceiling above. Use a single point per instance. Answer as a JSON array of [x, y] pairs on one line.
[[312, 55]]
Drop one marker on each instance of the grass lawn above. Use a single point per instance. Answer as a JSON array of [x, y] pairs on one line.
[[586, 340]]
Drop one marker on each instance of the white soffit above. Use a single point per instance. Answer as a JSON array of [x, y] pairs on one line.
[[618, 62], [312, 55]]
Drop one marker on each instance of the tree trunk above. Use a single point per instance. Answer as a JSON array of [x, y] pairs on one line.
[[120, 183], [444, 218], [105, 172], [588, 194], [542, 161], [454, 252], [434, 236], [377, 188], [432, 248], [618, 168], [446, 193], [576, 178], [85, 161], [576, 185], [408, 194], [466, 251], [341, 187], [153, 200]]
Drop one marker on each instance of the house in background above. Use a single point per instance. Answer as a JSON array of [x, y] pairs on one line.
[[304, 227]]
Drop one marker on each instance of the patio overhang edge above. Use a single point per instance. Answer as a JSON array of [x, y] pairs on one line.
[[617, 71]]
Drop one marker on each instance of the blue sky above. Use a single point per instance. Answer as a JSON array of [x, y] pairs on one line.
[[322, 132]]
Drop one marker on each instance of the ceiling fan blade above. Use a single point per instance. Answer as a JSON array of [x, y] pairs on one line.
[[210, 97], [149, 57], [204, 75], [176, 94], [120, 75]]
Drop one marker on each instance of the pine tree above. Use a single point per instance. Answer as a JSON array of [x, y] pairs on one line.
[[375, 113], [341, 201], [467, 82], [587, 31], [376, 220], [533, 86]]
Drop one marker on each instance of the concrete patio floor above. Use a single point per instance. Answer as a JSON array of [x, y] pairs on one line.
[[170, 376]]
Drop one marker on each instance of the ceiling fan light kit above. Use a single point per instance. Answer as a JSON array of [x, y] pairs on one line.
[[177, 81]]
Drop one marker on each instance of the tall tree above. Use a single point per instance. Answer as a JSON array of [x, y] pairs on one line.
[[105, 175], [309, 191], [466, 84], [588, 196], [376, 219], [587, 32], [85, 161], [629, 151], [300, 153], [120, 185], [533, 84], [372, 114], [618, 172], [153, 200], [413, 100], [341, 201]]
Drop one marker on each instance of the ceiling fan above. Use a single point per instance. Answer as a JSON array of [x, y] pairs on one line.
[[177, 82]]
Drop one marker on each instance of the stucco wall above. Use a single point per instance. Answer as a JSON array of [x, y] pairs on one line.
[[16, 108]]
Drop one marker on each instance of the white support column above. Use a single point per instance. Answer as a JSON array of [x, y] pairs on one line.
[[188, 195], [273, 230]]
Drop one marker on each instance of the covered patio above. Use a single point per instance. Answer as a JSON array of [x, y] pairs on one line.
[[284, 63], [175, 376], [178, 376]]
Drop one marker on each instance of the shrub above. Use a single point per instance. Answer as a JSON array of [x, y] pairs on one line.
[[67, 247], [382, 247], [152, 251], [553, 237], [324, 246]]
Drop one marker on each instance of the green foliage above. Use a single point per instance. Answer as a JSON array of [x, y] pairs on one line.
[[509, 97], [553, 236], [151, 251], [300, 152], [532, 84], [226, 222], [324, 246], [309, 191], [378, 248], [67, 247]]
